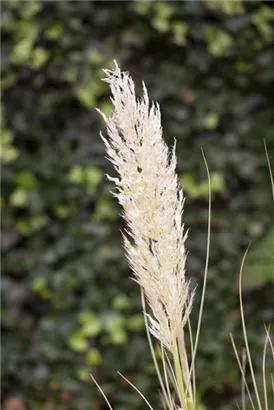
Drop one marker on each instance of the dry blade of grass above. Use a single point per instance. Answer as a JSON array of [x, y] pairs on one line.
[[192, 370], [259, 400], [164, 392], [136, 389], [170, 401], [172, 376], [101, 391], [193, 375], [270, 169], [264, 373], [242, 372], [242, 381], [267, 330], [249, 358]]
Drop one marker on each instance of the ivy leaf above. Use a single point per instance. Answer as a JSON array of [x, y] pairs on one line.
[[78, 342]]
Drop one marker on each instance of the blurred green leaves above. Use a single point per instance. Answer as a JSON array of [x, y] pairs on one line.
[[180, 30], [55, 31], [195, 189], [26, 34], [39, 286], [85, 95], [106, 209], [19, 198], [91, 324], [68, 303], [78, 341], [259, 266], [219, 41], [89, 177], [263, 19], [9, 152], [121, 302], [93, 357], [115, 327], [26, 179], [111, 328], [227, 7], [31, 225]]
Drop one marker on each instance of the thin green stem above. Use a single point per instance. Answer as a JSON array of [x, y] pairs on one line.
[[205, 271], [245, 333], [193, 370], [179, 377], [184, 362], [151, 347], [172, 374], [270, 170], [269, 340], [185, 403], [166, 376], [242, 371], [243, 380], [264, 374]]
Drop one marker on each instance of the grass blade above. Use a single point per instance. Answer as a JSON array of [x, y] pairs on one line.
[[151, 347], [243, 378], [269, 167], [101, 391], [138, 391], [242, 371], [245, 332], [264, 373]]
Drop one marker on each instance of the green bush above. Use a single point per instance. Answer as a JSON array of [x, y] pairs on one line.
[[68, 305]]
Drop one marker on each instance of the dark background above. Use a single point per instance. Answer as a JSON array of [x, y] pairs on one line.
[[68, 305]]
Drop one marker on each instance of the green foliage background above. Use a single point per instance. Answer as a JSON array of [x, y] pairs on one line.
[[68, 305]]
